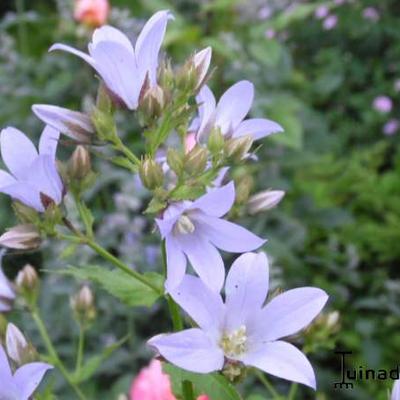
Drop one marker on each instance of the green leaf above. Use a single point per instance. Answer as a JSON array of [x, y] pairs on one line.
[[155, 206], [186, 192], [119, 284], [215, 386]]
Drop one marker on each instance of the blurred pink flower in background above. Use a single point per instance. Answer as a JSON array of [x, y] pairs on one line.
[[153, 384], [330, 22], [371, 14], [270, 33], [92, 12], [321, 12], [391, 127], [383, 104]]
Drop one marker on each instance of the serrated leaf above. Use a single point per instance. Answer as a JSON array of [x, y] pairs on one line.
[[215, 386], [119, 284]]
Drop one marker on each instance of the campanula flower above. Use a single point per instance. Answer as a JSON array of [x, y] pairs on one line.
[[25, 380], [122, 67], [241, 331], [33, 178], [228, 115], [195, 229]]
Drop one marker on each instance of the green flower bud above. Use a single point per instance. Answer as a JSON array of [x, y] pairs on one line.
[[175, 160], [237, 148], [153, 103], [196, 160], [79, 165], [28, 283], [105, 124], [151, 174], [216, 141], [83, 305], [244, 187]]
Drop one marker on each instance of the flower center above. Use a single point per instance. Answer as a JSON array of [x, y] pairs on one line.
[[184, 225], [235, 343]]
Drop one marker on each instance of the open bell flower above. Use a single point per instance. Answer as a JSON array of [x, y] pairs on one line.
[[7, 293], [25, 380], [122, 67], [240, 331], [228, 115], [195, 230], [33, 178]]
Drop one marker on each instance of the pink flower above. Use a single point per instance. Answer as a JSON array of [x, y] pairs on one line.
[[203, 397], [330, 22], [321, 12], [383, 104], [92, 12], [190, 142]]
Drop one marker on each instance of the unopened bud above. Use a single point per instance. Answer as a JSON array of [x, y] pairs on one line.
[[216, 141], [18, 348], [186, 77], [175, 160], [264, 201], [22, 237], [151, 174], [27, 283], [79, 165], [196, 160], [104, 123], [237, 148], [332, 319], [190, 142], [24, 213], [166, 76], [82, 303], [244, 187], [201, 62], [153, 102]]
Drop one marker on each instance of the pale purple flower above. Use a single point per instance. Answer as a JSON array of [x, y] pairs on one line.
[[122, 67], [195, 229], [321, 12], [228, 115], [241, 330], [25, 380], [391, 127], [383, 104], [33, 178], [330, 22], [74, 124], [396, 391], [371, 13], [7, 293], [270, 33]]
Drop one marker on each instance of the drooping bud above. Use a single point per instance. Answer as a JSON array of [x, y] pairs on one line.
[[79, 165], [83, 305], [151, 174], [237, 148], [201, 62], [22, 237], [264, 201], [153, 102], [27, 282], [196, 160], [175, 160], [216, 141]]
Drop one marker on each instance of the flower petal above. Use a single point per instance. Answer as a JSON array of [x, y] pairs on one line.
[[29, 376], [190, 349], [15, 342], [48, 142], [205, 259], [289, 312], [149, 42], [234, 105], [228, 236], [202, 304], [6, 290], [258, 128], [5, 370], [216, 202], [24, 193], [176, 263], [76, 125], [396, 391], [6, 179], [69, 49], [202, 61], [17, 151], [108, 33], [206, 101], [246, 288], [283, 360]]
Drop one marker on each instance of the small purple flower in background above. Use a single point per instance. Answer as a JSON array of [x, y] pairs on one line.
[[391, 127], [7, 293], [228, 115], [321, 12], [270, 33], [241, 330], [396, 391], [122, 67], [330, 22], [339, 2], [25, 380], [196, 229], [371, 14], [264, 12], [383, 104], [34, 179]]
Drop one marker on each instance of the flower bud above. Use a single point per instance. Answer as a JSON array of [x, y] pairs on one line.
[[24, 213], [18, 348], [237, 148], [79, 165], [196, 160], [201, 62], [175, 160], [186, 77], [22, 237], [151, 174], [190, 142], [264, 201], [243, 188], [153, 102], [216, 141], [27, 282], [82, 303]]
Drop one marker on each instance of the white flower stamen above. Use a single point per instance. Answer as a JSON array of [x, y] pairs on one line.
[[234, 344], [184, 225]]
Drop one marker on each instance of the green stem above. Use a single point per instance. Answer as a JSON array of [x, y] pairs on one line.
[[53, 353], [119, 145], [177, 322], [293, 391], [81, 346], [187, 390], [22, 38], [268, 385]]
